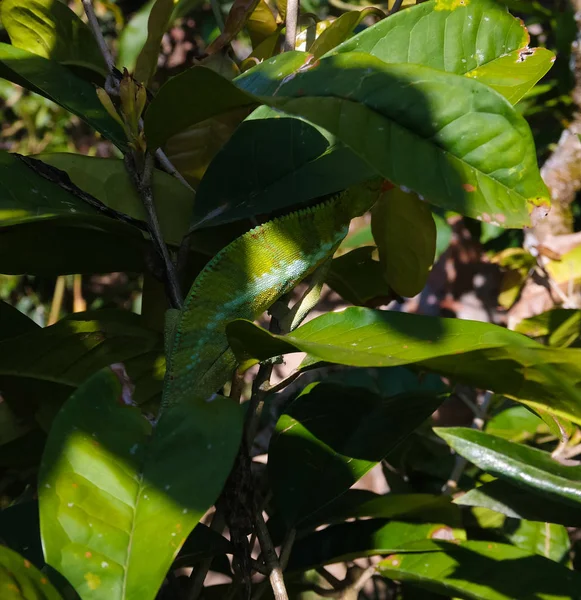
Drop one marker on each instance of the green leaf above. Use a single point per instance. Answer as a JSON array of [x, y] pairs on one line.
[[526, 467], [359, 504], [330, 436], [309, 163], [19, 580], [358, 278], [52, 30], [109, 483], [448, 138], [57, 83], [561, 327], [483, 571], [36, 214], [13, 322], [405, 234], [340, 29], [261, 24], [520, 503], [107, 180], [40, 369], [477, 38], [493, 358], [546, 539], [516, 423], [347, 541], [159, 20], [515, 73]]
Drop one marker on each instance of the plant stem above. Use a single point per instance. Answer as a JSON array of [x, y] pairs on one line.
[[460, 464], [96, 29], [79, 304], [292, 18], [142, 181], [167, 165], [271, 559], [57, 300]]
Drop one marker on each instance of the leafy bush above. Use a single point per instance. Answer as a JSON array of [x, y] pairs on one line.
[[139, 428]]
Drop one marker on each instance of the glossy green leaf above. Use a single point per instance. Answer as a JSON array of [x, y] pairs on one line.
[[546, 539], [493, 358], [478, 38], [560, 327], [40, 369], [484, 571], [405, 234], [57, 83], [330, 436], [157, 23], [347, 541], [107, 180], [522, 465], [358, 278], [20, 580], [52, 30], [13, 322], [521, 503], [110, 482], [340, 29]]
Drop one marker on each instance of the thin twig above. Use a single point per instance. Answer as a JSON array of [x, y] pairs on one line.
[[292, 18], [168, 167], [96, 29], [142, 182], [460, 464], [199, 575], [396, 6], [271, 559], [285, 382]]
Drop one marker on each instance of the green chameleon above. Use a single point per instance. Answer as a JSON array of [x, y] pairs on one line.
[[245, 279]]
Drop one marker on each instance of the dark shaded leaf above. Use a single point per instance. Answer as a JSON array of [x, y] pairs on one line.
[[330, 436], [520, 503]]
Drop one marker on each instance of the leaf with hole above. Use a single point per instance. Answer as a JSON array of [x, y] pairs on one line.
[[479, 39]]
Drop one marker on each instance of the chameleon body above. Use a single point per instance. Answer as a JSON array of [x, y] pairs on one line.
[[245, 279]]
